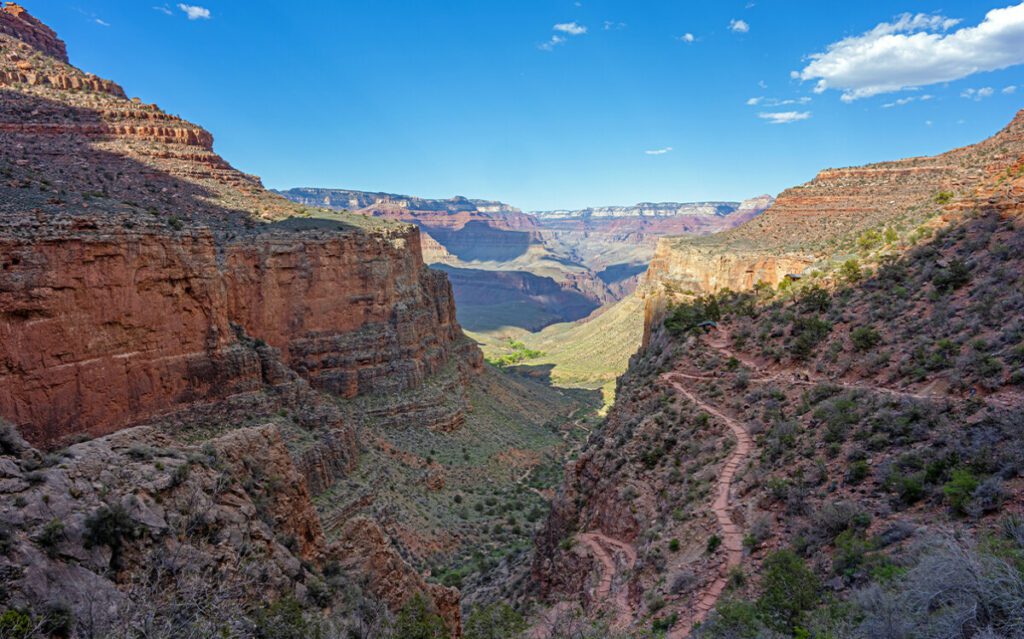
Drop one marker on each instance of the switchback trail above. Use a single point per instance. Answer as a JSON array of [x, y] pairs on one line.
[[732, 536], [796, 376], [606, 550]]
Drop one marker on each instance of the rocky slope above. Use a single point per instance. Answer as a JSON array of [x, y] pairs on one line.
[[836, 216], [824, 452]]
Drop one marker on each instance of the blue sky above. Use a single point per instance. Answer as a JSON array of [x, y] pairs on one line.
[[558, 103]]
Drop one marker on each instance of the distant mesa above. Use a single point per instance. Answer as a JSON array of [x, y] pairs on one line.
[[530, 270]]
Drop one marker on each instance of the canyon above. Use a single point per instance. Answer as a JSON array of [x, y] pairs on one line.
[[530, 270], [230, 411]]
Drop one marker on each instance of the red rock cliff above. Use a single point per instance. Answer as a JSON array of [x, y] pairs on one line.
[[16, 22], [133, 259]]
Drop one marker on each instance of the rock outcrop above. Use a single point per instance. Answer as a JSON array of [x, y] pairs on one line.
[[364, 548], [18, 23], [195, 513]]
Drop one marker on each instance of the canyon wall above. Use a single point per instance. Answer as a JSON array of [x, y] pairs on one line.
[[134, 260], [102, 330], [824, 217]]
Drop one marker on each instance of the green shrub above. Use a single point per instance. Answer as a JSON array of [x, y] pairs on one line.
[[858, 471], [689, 315], [419, 620], [850, 271], [673, 546], [851, 548], [713, 543], [284, 619], [959, 489], [496, 621], [865, 338], [11, 442], [109, 526], [952, 277], [808, 333], [790, 590], [733, 620], [51, 536], [665, 623], [815, 299], [910, 489], [15, 624], [944, 197]]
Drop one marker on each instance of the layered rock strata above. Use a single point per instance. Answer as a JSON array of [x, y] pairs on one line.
[[811, 222], [130, 251]]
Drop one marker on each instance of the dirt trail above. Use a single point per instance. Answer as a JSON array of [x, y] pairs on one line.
[[607, 550], [732, 536], [797, 376]]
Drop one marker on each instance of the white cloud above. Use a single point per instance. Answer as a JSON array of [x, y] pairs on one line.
[[567, 28], [916, 51], [785, 117], [613, 26], [663, 151], [762, 84], [775, 102], [978, 94], [571, 28], [908, 100], [552, 43], [195, 12], [688, 38], [1010, 90], [164, 10], [102, 23], [739, 26]]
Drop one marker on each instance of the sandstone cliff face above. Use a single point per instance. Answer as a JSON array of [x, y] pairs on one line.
[[205, 329], [680, 268], [130, 251], [468, 229], [105, 330]]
